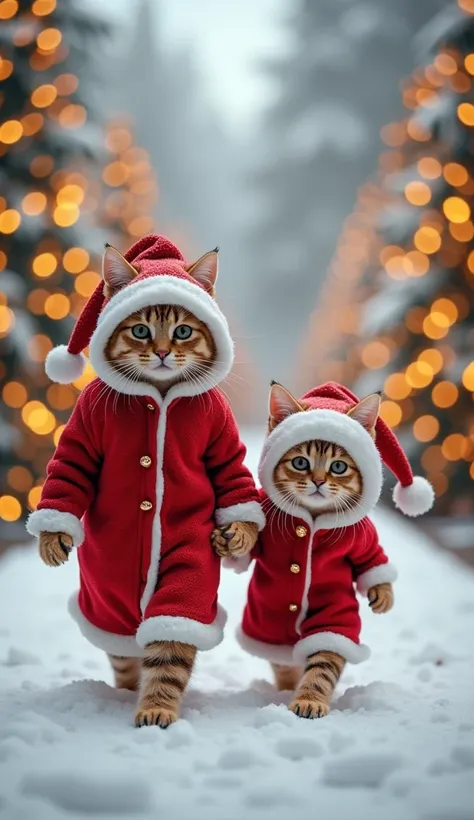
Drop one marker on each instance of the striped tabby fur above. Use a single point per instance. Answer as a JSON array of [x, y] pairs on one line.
[[316, 687], [126, 672], [166, 669]]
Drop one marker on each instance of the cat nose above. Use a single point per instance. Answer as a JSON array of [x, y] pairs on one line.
[[162, 354], [318, 482]]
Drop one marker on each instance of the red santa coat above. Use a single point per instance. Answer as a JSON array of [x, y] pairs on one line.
[[302, 596], [138, 482]]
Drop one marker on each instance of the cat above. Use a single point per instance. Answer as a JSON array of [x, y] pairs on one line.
[[162, 345], [322, 478]]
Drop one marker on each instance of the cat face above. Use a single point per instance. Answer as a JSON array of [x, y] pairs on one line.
[[161, 344], [320, 476]]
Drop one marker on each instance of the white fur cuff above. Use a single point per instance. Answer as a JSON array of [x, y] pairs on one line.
[[55, 521], [330, 642], [185, 630], [275, 653], [383, 574], [250, 512]]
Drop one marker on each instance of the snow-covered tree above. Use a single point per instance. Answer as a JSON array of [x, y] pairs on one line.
[[337, 85], [48, 136], [408, 325]]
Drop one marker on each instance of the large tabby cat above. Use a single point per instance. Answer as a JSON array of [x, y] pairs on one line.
[[162, 345]]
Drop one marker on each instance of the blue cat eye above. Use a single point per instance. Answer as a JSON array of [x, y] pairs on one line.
[[338, 467], [300, 463], [141, 332], [183, 332]]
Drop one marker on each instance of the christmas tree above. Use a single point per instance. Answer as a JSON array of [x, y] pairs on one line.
[[48, 139], [399, 306]]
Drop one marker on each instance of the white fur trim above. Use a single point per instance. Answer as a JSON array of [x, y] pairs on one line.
[[239, 564], [330, 642], [156, 535], [275, 653], [55, 521], [157, 290], [185, 630], [249, 511], [63, 367], [125, 646], [330, 426], [416, 499], [383, 574]]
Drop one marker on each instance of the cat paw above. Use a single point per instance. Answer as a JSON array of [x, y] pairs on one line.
[[54, 548], [155, 717], [309, 709], [380, 598], [235, 540]]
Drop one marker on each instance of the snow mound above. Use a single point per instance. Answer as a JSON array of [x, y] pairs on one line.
[[364, 770], [116, 794]]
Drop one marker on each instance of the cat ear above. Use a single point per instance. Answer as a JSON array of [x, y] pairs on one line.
[[281, 404], [205, 270], [116, 271], [367, 411]]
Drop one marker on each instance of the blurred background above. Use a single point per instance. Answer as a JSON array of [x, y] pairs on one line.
[[325, 145]]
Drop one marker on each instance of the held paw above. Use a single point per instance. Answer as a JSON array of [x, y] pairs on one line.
[[380, 598], [54, 548], [235, 540]]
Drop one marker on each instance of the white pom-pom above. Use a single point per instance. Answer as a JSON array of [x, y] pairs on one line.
[[416, 499], [64, 367]]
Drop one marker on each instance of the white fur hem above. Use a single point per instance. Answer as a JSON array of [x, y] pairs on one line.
[[185, 630], [328, 425], [330, 642], [239, 564], [275, 653], [124, 646], [383, 574], [161, 290], [55, 521], [249, 511]]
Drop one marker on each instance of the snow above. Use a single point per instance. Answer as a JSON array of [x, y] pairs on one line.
[[399, 740]]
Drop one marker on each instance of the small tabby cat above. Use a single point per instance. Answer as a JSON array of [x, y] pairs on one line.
[[321, 477]]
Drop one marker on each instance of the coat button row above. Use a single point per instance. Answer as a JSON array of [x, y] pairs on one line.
[[145, 461], [301, 531], [295, 568], [146, 505], [293, 607]]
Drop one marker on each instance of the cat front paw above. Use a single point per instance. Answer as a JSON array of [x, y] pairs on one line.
[[155, 717], [54, 548], [235, 540], [309, 709], [381, 598]]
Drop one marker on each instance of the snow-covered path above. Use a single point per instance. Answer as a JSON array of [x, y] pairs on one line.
[[399, 742]]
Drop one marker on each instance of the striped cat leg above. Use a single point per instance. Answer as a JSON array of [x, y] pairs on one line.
[[321, 674], [166, 669], [286, 677], [126, 672]]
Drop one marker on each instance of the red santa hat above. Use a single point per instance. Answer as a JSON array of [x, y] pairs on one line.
[[329, 419], [152, 272]]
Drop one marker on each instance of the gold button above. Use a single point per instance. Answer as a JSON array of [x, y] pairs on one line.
[[146, 505], [145, 461], [293, 607], [151, 406], [301, 531], [295, 568]]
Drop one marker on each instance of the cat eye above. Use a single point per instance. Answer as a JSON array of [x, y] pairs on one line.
[[183, 332], [338, 467], [140, 332], [300, 463]]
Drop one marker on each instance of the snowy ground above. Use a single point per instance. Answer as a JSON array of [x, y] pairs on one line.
[[399, 742]]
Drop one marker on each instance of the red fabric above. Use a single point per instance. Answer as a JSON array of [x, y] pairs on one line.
[[334, 396], [338, 557], [96, 473]]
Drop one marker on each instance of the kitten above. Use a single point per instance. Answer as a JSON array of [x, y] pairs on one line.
[[321, 477]]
